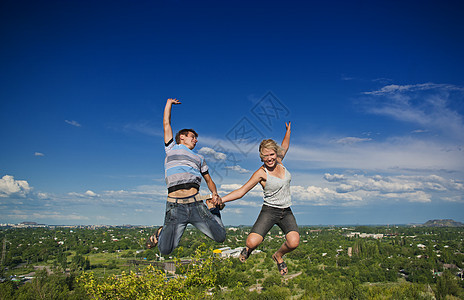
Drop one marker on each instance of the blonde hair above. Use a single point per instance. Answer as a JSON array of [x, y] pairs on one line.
[[269, 144]]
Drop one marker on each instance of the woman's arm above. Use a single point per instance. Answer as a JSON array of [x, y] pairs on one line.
[[240, 192], [286, 141]]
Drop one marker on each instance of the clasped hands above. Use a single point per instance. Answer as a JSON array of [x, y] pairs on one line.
[[216, 200]]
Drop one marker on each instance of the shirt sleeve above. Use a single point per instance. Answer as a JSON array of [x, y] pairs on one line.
[[169, 145], [204, 167]]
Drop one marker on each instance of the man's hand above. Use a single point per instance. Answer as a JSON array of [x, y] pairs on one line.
[[216, 199], [173, 101], [219, 201]]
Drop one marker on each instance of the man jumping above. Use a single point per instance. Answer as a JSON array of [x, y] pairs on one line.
[[183, 172]]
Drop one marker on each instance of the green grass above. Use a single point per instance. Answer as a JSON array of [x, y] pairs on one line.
[[104, 258]]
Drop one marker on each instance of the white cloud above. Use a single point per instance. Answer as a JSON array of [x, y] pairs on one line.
[[402, 188], [90, 194], [43, 195], [45, 215], [247, 202], [352, 140], [359, 190], [10, 187], [418, 196], [82, 196], [143, 196], [394, 184], [322, 196], [376, 183], [73, 123], [345, 195], [38, 154], [74, 194], [238, 169], [455, 199], [435, 183], [257, 191], [428, 105], [212, 153], [390, 154], [235, 211], [393, 88], [420, 131], [73, 207], [230, 187], [334, 177], [151, 190]]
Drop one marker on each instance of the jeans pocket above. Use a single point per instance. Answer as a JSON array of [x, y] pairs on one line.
[[170, 212], [203, 211]]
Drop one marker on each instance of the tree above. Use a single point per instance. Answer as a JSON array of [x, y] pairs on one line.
[[154, 284], [7, 290], [79, 263], [447, 285], [50, 287], [276, 293], [273, 280]]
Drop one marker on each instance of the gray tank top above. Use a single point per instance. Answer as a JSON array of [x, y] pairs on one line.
[[277, 191]]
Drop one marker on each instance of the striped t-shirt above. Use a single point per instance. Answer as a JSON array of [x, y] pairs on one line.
[[183, 167]]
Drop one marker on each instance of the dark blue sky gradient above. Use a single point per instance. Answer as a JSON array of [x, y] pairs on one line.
[[84, 83]]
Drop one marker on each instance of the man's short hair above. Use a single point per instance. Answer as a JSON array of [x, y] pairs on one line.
[[185, 132]]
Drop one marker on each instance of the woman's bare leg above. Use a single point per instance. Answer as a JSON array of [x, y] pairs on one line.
[[292, 240], [252, 242]]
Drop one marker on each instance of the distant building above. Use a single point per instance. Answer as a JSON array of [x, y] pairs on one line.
[[365, 235], [221, 249], [227, 252]]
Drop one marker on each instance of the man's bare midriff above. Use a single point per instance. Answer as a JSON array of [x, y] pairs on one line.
[[183, 193]]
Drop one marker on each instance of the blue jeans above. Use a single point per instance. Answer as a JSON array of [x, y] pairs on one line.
[[178, 216]]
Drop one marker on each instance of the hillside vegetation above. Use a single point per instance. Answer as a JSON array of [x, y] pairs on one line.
[[362, 262]]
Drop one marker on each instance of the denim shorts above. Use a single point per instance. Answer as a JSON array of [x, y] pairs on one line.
[[270, 216]]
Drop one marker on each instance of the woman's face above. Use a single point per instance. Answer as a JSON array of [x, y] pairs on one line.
[[269, 157]]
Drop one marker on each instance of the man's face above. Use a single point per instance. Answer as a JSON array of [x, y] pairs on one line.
[[189, 140]]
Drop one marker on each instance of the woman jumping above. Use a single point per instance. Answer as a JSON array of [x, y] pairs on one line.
[[275, 180]]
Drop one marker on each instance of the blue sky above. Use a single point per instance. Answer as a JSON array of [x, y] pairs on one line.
[[374, 90]]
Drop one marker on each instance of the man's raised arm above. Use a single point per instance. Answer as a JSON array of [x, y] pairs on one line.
[[167, 119]]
